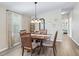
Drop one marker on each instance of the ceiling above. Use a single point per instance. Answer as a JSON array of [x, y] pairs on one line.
[[28, 8]]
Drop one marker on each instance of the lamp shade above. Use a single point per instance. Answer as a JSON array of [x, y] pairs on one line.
[[35, 21]]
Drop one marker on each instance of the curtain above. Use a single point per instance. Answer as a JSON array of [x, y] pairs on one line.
[[14, 26]]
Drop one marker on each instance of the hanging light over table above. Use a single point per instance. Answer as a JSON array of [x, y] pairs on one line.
[[35, 20]]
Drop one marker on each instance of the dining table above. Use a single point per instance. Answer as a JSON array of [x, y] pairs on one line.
[[40, 37]]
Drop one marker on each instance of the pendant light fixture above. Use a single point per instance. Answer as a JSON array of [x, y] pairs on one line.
[[35, 20]]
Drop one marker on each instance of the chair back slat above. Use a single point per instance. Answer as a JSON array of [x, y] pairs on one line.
[[55, 38]]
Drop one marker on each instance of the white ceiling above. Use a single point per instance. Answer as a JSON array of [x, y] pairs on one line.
[[28, 7]]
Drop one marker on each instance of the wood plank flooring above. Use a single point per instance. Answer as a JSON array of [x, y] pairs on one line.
[[65, 48]]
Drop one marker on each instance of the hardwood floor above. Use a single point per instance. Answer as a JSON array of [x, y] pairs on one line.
[[65, 48]]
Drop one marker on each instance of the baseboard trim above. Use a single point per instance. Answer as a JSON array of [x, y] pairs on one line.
[[75, 41], [17, 44], [3, 49], [59, 40]]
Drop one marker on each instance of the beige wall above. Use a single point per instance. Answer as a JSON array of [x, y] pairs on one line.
[[3, 30], [26, 23]]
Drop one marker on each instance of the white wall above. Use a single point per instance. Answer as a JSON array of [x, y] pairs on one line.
[[3, 30], [53, 22], [75, 23]]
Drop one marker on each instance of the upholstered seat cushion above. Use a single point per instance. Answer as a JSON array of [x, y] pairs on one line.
[[48, 43], [34, 45]]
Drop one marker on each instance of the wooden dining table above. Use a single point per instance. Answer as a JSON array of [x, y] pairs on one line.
[[40, 37]]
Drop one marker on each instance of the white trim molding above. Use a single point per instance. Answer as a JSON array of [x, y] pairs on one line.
[[75, 41], [17, 44], [59, 40], [3, 49]]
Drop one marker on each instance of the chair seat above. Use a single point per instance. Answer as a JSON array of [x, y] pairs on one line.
[[48, 43], [34, 45]]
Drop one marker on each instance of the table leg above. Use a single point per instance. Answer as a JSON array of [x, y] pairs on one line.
[[40, 47]]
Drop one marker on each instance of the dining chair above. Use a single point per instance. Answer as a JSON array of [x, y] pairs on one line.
[[51, 44], [26, 43], [42, 32], [22, 32]]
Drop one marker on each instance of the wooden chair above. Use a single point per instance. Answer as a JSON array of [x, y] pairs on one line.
[[51, 44], [26, 42], [22, 32]]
